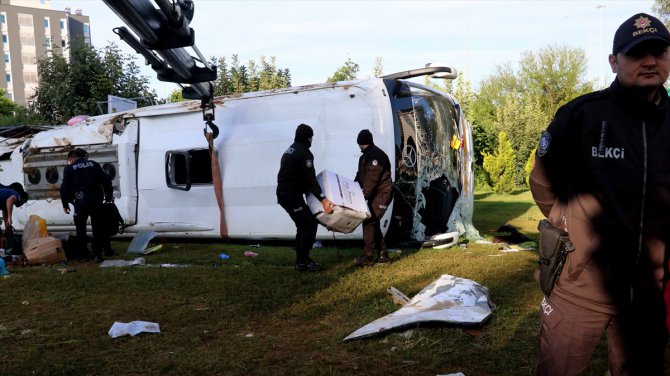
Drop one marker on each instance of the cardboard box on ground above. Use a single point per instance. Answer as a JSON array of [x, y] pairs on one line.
[[350, 209], [38, 248]]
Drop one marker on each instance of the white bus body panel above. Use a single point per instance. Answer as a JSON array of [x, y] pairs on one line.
[[255, 130]]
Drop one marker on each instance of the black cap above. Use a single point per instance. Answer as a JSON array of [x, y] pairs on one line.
[[303, 132], [364, 137], [639, 28]]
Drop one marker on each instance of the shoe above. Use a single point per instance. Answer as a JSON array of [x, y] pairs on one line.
[[384, 259], [309, 266], [364, 261]]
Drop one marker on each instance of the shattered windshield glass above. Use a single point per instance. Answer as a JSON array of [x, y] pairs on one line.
[[433, 154]]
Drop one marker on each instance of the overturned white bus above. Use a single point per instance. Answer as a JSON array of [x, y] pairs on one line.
[[160, 164]]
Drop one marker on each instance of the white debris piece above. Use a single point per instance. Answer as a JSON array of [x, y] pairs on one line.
[[132, 328], [447, 299]]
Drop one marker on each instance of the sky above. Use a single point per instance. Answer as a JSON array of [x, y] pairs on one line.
[[314, 38]]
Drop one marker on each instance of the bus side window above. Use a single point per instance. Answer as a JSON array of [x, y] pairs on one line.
[[184, 168]]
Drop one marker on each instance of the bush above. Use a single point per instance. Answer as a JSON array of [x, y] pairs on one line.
[[500, 165]]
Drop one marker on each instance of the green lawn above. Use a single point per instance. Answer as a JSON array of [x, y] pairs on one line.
[[257, 316]]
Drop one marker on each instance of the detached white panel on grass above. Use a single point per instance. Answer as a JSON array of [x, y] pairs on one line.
[[448, 299]]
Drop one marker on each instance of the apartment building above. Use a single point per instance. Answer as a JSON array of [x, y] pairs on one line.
[[30, 28]]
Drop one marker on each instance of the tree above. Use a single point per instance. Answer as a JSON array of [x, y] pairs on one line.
[[500, 165], [378, 68], [175, 96], [241, 78], [66, 89], [522, 102], [7, 107], [347, 72], [662, 9], [522, 122]]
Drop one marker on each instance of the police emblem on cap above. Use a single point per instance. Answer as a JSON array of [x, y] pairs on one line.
[[545, 140], [642, 22], [374, 162], [308, 163]]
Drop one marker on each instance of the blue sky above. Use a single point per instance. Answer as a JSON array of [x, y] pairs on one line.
[[314, 38]]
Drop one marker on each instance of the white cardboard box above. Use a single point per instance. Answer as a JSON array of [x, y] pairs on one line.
[[350, 209]]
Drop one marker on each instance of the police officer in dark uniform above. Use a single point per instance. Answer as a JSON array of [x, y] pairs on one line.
[[374, 177], [86, 185], [296, 178]]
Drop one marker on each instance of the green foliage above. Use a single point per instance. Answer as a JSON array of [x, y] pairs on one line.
[[522, 123], [240, 78], [72, 88], [378, 67], [529, 166], [347, 72], [522, 102], [662, 9], [7, 107], [500, 165], [175, 96]]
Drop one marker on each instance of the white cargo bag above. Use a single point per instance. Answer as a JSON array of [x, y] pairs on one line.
[[350, 209]]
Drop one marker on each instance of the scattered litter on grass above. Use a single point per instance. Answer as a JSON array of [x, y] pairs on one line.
[[498, 255], [250, 254], [454, 374], [132, 328], [317, 244], [481, 241], [140, 241], [110, 263], [398, 251], [172, 265], [526, 246], [139, 261], [448, 299], [249, 335], [255, 245], [153, 249], [62, 269], [508, 249], [407, 334], [25, 302], [223, 256]]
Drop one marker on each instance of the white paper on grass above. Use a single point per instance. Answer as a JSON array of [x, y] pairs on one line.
[[133, 328], [350, 208], [448, 299]]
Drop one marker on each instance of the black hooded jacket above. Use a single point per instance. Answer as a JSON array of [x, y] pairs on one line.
[[296, 173]]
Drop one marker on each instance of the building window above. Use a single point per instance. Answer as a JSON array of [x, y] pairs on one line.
[[8, 77], [62, 24], [46, 23], [9, 96], [2, 18], [6, 57], [4, 38], [47, 42]]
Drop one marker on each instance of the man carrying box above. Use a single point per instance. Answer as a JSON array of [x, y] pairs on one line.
[[297, 177], [374, 177]]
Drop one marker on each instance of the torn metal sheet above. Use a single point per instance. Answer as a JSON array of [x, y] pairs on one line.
[[140, 241], [448, 299]]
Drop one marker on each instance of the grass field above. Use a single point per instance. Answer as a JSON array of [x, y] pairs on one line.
[[257, 316]]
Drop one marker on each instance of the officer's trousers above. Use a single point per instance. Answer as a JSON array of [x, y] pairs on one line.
[[305, 224], [83, 209], [373, 239]]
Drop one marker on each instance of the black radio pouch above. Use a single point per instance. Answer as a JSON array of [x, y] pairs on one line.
[[555, 245]]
